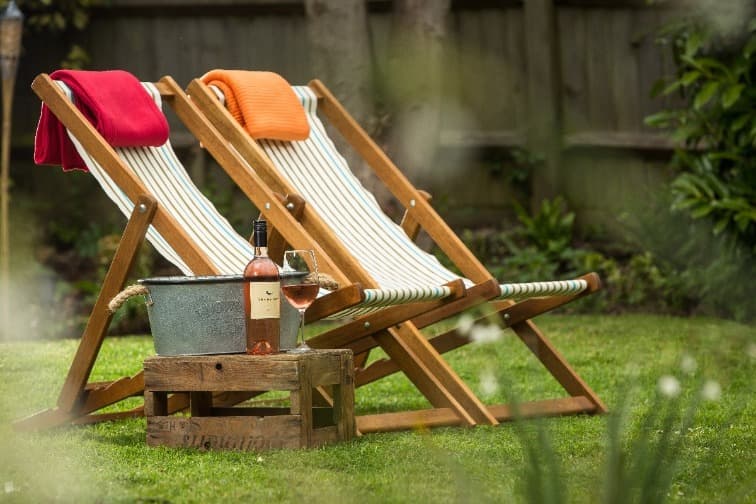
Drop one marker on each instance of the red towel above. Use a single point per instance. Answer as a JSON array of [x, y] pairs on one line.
[[114, 102]]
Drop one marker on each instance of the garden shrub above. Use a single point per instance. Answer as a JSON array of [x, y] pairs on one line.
[[715, 183], [716, 127], [671, 268]]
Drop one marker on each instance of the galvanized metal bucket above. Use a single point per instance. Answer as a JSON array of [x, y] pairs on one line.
[[205, 315]]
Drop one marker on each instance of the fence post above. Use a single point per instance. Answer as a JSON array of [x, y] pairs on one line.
[[543, 92]]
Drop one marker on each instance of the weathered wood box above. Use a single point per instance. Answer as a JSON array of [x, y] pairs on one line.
[[311, 419]]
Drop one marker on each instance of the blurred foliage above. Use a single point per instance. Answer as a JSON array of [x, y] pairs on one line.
[[716, 178], [672, 266], [641, 461], [63, 17]]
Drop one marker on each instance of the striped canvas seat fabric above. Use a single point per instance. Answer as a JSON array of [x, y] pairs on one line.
[[161, 172], [164, 176], [321, 175]]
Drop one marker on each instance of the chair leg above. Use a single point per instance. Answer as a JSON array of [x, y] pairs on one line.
[[432, 375], [553, 361], [73, 395]]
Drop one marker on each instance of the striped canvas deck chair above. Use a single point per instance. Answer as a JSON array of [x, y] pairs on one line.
[[151, 188], [343, 219]]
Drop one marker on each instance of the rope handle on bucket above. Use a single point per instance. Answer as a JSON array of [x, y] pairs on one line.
[[324, 280], [128, 292]]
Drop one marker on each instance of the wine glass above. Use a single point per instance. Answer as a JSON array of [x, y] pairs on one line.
[[299, 285]]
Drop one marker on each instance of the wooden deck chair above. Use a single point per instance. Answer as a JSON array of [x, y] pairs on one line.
[[344, 219], [150, 186]]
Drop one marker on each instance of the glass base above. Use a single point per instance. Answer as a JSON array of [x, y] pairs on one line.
[[300, 349]]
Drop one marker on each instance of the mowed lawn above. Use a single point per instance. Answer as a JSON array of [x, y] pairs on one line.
[[622, 357]]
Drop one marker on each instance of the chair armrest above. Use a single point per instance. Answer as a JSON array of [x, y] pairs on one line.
[[338, 300]]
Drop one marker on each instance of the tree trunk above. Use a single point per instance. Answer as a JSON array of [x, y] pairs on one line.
[[414, 83], [340, 53]]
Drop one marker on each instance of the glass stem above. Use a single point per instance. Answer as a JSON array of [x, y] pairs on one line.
[[301, 328]]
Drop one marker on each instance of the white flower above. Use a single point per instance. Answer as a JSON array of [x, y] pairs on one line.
[[9, 488], [488, 333], [259, 460], [488, 384], [465, 324], [711, 390], [669, 386], [688, 364]]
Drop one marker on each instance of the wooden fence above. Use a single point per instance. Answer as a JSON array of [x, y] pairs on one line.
[[565, 80]]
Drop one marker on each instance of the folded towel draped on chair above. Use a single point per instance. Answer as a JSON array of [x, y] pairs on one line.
[[114, 102], [262, 102]]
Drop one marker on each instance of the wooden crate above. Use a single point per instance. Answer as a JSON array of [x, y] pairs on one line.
[[305, 423]]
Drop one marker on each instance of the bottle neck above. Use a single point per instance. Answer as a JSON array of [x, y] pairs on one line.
[[260, 238]]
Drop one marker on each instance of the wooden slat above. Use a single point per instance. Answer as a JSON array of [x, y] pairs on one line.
[[409, 224], [41, 420], [325, 370], [451, 391], [276, 242], [441, 417], [99, 319], [301, 402], [479, 139], [555, 363], [620, 140], [200, 403], [232, 433], [343, 399], [230, 373], [336, 301], [113, 393], [544, 108], [324, 436]]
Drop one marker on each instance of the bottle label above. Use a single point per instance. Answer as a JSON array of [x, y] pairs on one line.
[[265, 300]]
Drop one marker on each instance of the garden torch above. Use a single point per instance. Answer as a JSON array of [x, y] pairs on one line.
[[11, 27]]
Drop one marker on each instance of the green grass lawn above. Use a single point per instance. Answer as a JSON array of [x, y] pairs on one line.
[[621, 357]]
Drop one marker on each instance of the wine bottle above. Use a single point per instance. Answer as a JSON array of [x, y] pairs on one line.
[[262, 297]]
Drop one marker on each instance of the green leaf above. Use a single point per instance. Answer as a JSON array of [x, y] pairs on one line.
[[657, 88], [660, 119], [706, 93], [690, 77], [712, 64], [671, 88], [738, 123], [731, 95], [685, 184], [701, 211], [721, 225], [750, 47], [742, 222], [693, 43]]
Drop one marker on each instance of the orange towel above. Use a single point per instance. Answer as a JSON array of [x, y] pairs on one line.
[[262, 102]]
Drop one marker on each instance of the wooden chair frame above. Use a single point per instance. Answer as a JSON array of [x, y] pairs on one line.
[[408, 350], [79, 398]]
